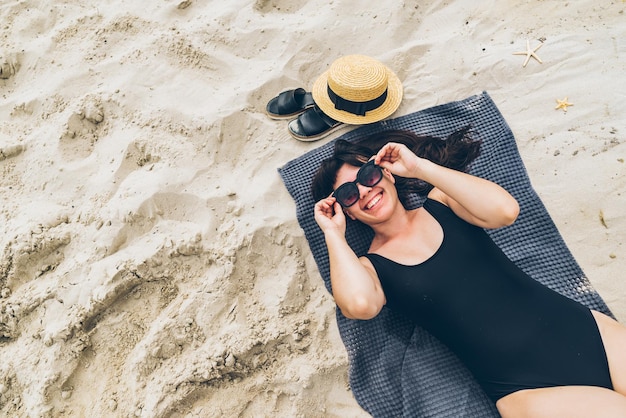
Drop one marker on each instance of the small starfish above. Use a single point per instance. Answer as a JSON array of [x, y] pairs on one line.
[[562, 104], [530, 53]]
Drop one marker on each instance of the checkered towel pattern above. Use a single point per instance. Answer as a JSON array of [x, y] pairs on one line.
[[397, 369]]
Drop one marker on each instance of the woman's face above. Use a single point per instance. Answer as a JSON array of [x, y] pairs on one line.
[[375, 203]]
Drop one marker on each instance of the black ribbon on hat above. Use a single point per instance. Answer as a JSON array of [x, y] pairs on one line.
[[356, 108]]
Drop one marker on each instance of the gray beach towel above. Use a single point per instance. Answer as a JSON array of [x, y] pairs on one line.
[[397, 369]]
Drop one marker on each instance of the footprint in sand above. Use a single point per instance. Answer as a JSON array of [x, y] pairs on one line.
[[8, 66], [282, 6], [33, 254], [82, 129], [139, 153], [10, 151], [25, 259]]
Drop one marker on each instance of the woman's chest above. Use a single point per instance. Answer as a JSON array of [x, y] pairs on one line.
[[415, 245]]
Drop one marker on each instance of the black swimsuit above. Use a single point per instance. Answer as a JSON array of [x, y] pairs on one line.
[[510, 331]]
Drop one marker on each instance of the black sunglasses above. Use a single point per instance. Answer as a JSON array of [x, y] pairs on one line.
[[369, 175]]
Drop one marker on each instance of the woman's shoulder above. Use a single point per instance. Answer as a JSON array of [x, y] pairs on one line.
[[442, 212], [435, 205], [436, 197]]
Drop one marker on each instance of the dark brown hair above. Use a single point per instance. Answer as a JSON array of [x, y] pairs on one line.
[[457, 151]]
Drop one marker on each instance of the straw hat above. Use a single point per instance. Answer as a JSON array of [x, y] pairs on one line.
[[357, 90]]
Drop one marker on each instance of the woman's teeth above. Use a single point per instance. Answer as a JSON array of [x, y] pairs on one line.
[[372, 202]]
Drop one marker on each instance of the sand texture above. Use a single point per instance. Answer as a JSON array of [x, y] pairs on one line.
[[151, 264]]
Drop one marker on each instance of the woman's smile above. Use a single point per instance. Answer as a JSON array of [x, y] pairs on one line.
[[374, 201]]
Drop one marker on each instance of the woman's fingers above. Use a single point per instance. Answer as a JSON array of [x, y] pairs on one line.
[[329, 215], [394, 157], [326, 207], [391, 153]]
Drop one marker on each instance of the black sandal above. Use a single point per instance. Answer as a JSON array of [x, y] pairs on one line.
[[312, 125], [289, 103]]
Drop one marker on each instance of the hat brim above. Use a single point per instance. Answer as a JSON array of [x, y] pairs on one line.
[[390, 105]]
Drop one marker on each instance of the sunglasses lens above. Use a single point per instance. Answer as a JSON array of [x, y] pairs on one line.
[[347, 194], [370, 175]]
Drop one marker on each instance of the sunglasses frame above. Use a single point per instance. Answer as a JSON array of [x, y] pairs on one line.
[[356, 181]]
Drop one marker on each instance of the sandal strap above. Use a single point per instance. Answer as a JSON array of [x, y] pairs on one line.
[[286, 100], [314, 121], [330, 122], [292, 100]]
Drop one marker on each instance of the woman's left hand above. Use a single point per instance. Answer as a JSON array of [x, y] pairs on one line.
[[398, 159]]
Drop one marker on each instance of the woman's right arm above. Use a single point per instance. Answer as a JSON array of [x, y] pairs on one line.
[[355, 284]]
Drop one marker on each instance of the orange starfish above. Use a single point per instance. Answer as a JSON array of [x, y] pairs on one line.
[[562, 104]]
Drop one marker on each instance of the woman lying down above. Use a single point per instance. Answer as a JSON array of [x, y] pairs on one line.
[[535, 352]]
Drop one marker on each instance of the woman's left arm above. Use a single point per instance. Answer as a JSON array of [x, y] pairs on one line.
[[476, 200]]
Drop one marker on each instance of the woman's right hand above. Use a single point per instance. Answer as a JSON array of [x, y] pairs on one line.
[[329, 215]]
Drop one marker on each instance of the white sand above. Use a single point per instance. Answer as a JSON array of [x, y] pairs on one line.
[[151, 263]]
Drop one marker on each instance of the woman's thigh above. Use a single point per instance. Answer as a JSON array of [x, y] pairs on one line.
[[563, 401], [614, 339]]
